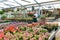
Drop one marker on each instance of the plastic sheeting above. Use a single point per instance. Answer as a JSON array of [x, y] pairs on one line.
[[15, 3]]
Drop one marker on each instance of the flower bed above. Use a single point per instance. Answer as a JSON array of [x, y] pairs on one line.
[[22, 31]]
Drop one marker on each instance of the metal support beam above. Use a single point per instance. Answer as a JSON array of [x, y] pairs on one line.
[[26, 1]]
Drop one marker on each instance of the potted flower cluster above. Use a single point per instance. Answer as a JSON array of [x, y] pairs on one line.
[[42, 20], [30, 14], [24, 32], [51, 27]]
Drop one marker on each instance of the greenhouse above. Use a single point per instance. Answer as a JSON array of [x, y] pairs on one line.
[[29, 20]]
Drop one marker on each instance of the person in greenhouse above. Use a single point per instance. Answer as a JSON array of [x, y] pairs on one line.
[[35, 16]]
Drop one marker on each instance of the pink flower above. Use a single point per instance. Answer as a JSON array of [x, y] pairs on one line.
[[1, 35], [18, 29], [27, 34], [46, 35], [5, 38], [40, 38], [1, 30]]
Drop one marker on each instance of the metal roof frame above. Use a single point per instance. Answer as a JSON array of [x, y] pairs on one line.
[[41, 3], [27, 5], [37, 2], [18, 3]]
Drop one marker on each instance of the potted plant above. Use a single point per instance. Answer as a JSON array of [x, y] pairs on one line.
[[43, 18], [43, 30], [30, 30], [1, 12], [30, 14], [23, 28], [55, 26], [3, 17]]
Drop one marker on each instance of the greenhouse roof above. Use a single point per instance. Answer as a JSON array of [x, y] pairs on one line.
[[16, 3]]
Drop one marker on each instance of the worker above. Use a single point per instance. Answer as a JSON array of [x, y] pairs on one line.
[[35, 16]]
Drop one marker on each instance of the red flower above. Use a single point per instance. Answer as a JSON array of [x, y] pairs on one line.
[[30, 12], [34, 24], [11, 28]]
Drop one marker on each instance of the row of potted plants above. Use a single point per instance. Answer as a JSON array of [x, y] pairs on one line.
[[51, 27], [22, 31]]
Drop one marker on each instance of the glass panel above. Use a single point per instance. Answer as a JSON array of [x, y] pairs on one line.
[[22, 2], [14, 4], [4, 6], [57, 5], [26, 2], [2, 0]]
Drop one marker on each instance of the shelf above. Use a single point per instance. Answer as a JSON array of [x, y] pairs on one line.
[[16, 18], [4, 21], [12, 19]]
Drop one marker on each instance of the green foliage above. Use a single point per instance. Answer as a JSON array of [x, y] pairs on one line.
[[36, 36], [3, 17], [28, 38], [43, 17], [30, 30], [43, 31], [23, 28], [1, 12], [21, 38]]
